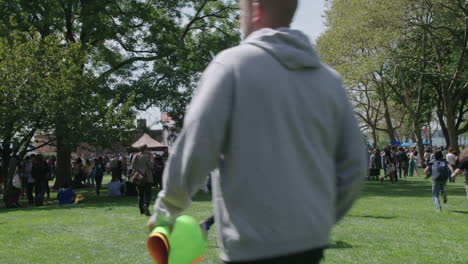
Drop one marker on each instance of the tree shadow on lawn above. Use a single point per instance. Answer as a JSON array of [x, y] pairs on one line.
[[373, 217], [94, 201], [202, 197], [459, 212], [339, 245], [406, 188]]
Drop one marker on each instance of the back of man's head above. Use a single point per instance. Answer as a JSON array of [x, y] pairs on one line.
[[258, 14], [438, 155], [279, 13]]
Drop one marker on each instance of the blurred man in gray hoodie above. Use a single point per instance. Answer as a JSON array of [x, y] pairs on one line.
[[278, 124]]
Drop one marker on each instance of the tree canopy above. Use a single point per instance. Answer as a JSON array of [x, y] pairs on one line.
[[404, 63], [80, 70]]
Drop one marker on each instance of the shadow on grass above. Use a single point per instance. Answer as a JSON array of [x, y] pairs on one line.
[[94, 201], [373, 217], [202, 197], [339, 245], [459, 212]]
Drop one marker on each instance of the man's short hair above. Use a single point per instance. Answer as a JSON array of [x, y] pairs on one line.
[[438, 155], [282, 11]]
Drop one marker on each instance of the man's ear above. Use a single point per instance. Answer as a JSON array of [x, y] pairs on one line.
[[257, 13]]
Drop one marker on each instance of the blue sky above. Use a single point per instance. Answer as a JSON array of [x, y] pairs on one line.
[[309, 19]]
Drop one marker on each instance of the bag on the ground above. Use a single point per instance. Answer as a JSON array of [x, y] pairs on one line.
[[440, 170], [138, 178]]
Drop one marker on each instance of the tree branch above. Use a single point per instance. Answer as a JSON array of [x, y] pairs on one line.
[[44, 143], [123, 64]]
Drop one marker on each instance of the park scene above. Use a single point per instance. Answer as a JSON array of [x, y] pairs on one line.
[[226, 131]]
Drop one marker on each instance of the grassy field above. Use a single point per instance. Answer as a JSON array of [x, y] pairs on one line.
[[389, 224]]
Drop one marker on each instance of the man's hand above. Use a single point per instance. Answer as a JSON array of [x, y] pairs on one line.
[[151, 223], [158, 220]]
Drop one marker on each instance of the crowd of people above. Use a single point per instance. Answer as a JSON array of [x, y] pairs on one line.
[[440, 164], [399, 162], [37, 173]]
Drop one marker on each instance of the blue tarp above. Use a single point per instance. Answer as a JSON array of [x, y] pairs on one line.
[[407, 144]]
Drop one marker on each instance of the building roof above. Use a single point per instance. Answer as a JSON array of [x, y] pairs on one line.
[[147, 140]]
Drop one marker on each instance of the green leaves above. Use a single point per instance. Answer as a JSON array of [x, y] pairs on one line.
[[414, 52]]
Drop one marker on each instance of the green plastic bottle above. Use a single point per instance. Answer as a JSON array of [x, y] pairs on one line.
[[186, 243]]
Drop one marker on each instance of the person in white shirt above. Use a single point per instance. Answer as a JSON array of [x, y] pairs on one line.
[[413, 165], [451, 158]]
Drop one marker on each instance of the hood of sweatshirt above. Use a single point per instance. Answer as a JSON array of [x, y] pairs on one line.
[[290, 47]]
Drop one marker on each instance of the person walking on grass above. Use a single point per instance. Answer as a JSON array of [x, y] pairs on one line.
[[25, 169], [427, 156], [451, 158], [142, 164], [462, 167], [39, 174], [115, 167], [98, 170], [440, 173], [403, 162], [30, 182], [413, 163], [273, 90], [89, 172]]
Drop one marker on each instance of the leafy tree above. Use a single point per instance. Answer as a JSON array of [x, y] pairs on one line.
[[137, 54], [445, 25], [413, 53], [358, 42]]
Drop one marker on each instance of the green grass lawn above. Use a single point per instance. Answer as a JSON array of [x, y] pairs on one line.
[[389, 224]]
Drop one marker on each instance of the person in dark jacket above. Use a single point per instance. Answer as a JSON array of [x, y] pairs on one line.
[[440, 173], [158, 169], [403, 163], [99, 169], [39, 174]]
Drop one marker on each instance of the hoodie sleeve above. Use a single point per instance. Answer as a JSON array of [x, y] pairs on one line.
[[198, 147], [350, 159]]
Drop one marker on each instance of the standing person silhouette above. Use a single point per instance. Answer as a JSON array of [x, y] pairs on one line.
[[265, 110]]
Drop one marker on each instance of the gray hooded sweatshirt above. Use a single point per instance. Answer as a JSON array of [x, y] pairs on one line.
[[278, 124]]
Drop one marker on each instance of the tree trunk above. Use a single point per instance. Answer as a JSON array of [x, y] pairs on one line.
[[451, 128], [443, 127], [8, 181], [6, 157], [388, 120], [374, 137], [63, 170], [417, 132], [429, 133]]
